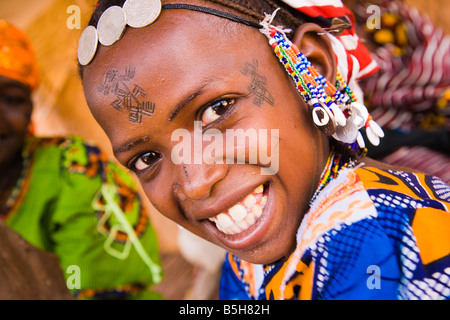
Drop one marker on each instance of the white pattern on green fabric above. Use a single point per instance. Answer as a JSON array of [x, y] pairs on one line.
[[111, 208]]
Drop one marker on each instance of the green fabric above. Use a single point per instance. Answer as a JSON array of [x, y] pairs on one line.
[[55, 212]]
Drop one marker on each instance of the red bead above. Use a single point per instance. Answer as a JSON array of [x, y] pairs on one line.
[[272, 32]]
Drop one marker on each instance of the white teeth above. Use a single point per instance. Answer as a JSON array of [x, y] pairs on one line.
[[260, 189], [250, 201], [243, 224], [224, 220], [238, 212], [251, 219], [256, 210], [264, 200], [243, 215], [234, 229]]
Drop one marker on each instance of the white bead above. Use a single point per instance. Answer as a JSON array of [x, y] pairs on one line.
[[338, 115], [373, 138], [360, 140], [376, 128]]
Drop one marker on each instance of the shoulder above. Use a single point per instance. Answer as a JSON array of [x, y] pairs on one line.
[[380, 179], [397, 220], [34, 144], [405, 197], [413, 210], [75, 154], [80, 156], [70, 155]]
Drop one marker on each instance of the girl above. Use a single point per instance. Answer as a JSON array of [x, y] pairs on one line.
[[328, 223]]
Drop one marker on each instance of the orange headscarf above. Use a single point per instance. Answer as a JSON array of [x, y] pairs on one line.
[[17, 58]]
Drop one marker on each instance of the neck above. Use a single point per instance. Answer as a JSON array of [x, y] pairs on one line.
[[335, 163]]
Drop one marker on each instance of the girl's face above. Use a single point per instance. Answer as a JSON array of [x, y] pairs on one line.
[[162, 78]]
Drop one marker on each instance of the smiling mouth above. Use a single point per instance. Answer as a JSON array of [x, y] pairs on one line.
[[242, 215]]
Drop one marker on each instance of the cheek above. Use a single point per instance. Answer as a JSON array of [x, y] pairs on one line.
[[18, 120], [160, 192], [301, 148]]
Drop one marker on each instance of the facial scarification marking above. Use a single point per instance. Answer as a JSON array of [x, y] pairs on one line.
[[258, 84], [131, 100]]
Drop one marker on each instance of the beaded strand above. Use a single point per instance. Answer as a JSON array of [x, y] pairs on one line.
[[335, 108], [310, 83], [335, 163]]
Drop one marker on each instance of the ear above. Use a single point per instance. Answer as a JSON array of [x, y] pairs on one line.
[[315, 45]]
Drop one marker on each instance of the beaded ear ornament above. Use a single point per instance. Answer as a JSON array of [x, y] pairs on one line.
[[336, 114]]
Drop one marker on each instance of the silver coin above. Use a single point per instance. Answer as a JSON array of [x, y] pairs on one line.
[[141, 13], [111, 25], [87, 47]]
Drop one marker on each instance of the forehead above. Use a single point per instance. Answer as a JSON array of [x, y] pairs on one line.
[[180, 49], [174, 40]]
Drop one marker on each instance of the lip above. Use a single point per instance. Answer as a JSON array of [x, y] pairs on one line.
[[250, 237], [212, 209]]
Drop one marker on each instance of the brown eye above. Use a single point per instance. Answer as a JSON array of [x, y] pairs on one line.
[[215, 111], [146, 160]]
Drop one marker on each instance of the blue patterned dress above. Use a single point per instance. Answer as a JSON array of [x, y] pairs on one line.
[[369, 234]]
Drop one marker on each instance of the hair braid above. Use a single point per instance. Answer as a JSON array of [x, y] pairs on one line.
[[287, 17], [254, 9], [239, 8]]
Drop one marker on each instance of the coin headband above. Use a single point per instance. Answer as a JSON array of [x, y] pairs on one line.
[[137, 14], [334, 109]]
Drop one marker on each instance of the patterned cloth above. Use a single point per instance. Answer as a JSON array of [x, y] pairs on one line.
[[74, 203], [370, 234], [17, 58], [412, 89], [410, 96]]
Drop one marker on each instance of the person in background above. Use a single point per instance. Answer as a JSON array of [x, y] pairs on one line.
[[410, 95], [62, 195]]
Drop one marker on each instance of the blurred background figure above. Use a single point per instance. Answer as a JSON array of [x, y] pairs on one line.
[[207, 259], [54, 28], [62, 195], [410, 95], [28, 273]]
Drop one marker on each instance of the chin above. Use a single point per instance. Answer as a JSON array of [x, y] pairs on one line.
[[255, 229]]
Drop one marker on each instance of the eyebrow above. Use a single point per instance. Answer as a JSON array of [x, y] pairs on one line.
[[184, 102], [131, 144]]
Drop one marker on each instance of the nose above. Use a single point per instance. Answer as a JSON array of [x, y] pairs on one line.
[[198, 180]]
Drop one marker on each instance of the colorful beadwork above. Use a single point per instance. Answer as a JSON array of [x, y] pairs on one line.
[[335, 163], [335, 109]]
